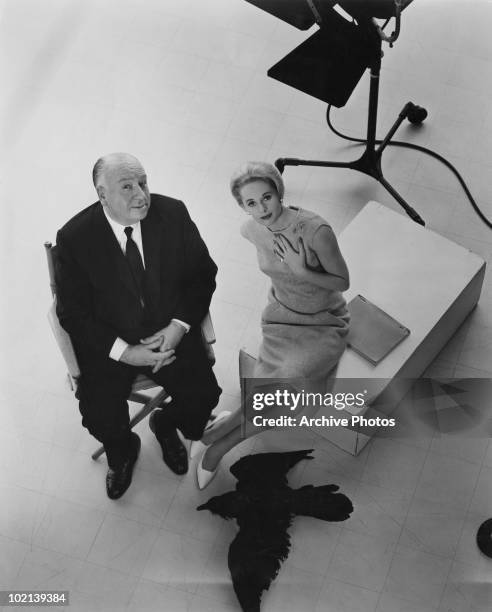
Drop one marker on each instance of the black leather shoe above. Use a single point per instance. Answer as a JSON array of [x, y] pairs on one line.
[[174, 453], [118, 481]]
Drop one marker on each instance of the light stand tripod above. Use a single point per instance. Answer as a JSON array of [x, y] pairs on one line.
[[370, 161]]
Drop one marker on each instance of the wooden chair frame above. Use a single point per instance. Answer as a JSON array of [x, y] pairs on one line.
[[141, 382]]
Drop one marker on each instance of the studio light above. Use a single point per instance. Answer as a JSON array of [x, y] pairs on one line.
[[330, 63]]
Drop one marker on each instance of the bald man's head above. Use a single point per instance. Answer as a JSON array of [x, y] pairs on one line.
[[121, 185], [112, 159]]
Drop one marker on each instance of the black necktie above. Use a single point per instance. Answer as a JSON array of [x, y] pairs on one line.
[[135, 262]]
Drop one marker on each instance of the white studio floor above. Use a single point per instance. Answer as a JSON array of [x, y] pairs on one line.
[[183, 86]]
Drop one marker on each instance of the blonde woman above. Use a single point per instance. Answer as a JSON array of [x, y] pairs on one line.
[[305, 321]]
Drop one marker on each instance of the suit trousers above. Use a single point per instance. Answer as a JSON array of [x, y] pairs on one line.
[[105, 386]]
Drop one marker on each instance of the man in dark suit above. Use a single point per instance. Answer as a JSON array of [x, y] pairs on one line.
[[134, 281]]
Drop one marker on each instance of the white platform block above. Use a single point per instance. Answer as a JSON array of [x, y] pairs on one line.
[[425, 281]]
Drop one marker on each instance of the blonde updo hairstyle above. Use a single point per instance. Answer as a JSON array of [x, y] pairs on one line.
[[256, 171]]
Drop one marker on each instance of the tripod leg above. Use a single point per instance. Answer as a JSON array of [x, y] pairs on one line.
[[415, 114], [281, 162], [401, 118], [413, 214]]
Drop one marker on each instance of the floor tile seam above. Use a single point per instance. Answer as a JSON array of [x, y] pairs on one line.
[[19, 434], [325, 574], [17, 540], [319, 589], [163, 475], [44, 493], [483, 469], [110, 609], [481, 198], [438, 360], [459, 457], [209, 130], [453, 180], [75, 451], [145, 42], [248, 309], [292, 113], [463, 365], [54, 498], [245, 105], [315, 124], [433, 451], [22, 563], [376, 536], [375, 500], [96, 102], [78, 501], [149, 556], [411, 179], [156, 471], [448, 508], [448, 574], [385, 488], [155, 582], [416, 183], [39, 519], [328, 571], [164, 518], [417, 480], [345, 474], [208, 598], [180, 535], [96, 535], [34, 547], [354, 584], [364, 588], [351, 480], [453, 559], [151, 524], [213, 162], [230, 64], [244, 140], [425, 551], [129, 574], [402, 441], [442, 588], [122, 517], [195, 22], [231, 303], [428, 605], [487, 325], [474, 348]]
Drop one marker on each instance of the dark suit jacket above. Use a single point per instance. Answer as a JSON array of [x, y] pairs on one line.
[[97, 298]]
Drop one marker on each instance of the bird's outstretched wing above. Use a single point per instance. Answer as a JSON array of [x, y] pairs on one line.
[[267, 468], [255, 557], [321, 502]]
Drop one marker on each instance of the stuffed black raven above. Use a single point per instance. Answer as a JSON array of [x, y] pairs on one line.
[[264, 505]]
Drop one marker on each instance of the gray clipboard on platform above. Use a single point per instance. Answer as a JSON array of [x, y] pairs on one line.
[[373, 332]]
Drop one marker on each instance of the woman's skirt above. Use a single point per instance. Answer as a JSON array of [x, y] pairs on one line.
[[300, 346]]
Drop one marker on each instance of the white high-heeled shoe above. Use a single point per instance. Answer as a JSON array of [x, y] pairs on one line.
[[204, 477], [197, 446]]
